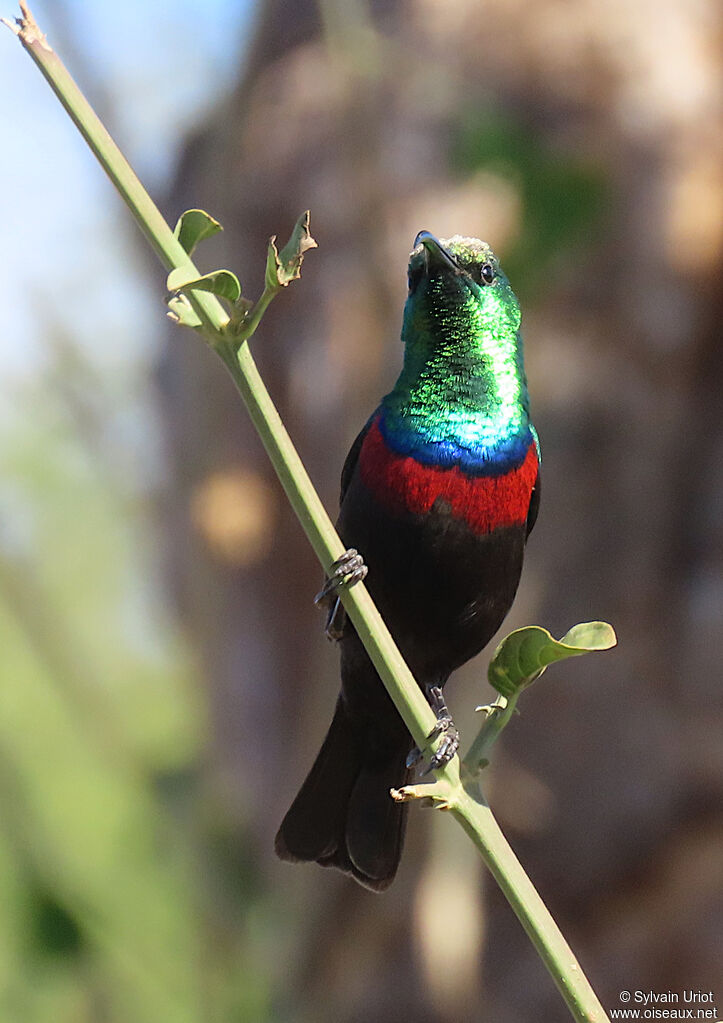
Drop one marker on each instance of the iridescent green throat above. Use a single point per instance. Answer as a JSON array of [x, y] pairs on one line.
[[461, 398]]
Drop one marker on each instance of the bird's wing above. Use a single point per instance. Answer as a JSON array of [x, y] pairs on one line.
[[336, 618], [352, 458]]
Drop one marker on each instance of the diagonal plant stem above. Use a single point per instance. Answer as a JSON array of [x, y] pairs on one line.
[[464, 801]]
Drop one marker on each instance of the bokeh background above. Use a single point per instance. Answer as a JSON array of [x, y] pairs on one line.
[[165, 680]]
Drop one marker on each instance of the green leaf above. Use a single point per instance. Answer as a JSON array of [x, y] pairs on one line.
[[220, 282], [285, 266], [522, 656], [181, 311], [193, 226]]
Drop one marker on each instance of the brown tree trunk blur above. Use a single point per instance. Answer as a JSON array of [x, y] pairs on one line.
[[606, 784]]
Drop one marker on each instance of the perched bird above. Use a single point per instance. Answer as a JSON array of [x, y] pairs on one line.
[[438, 493]]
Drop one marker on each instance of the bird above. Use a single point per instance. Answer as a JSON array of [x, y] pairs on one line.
[[439, 493]]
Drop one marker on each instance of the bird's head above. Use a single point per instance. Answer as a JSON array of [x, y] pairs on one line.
[[457, 289]]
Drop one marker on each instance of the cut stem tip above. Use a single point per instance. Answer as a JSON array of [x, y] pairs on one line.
[[26, 27]]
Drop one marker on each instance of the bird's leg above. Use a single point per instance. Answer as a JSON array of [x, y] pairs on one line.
[[445, 727], [346, 571]]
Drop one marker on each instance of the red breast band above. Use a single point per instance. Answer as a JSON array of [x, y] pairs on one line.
[[485, 503]]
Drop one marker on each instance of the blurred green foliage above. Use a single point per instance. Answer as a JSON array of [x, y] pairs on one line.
[[101, 731], [563, 195]]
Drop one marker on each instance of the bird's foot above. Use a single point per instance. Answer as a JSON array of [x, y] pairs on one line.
[[445, 727], [346, 571]]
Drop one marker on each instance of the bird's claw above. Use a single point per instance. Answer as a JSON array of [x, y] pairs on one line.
[[335, 621], [445, 727], [346, 571]]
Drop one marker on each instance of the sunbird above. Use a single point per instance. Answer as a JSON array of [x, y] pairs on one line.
[[439, 493]]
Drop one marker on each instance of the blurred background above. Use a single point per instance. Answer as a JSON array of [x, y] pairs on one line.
[[165, 679]]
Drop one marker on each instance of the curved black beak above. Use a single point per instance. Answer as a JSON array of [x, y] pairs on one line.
[[436, 254]]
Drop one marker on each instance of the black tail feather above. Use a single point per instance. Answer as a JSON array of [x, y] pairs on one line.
[[343, 816], [375, 824]]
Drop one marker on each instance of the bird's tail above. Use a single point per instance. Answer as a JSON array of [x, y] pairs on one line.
[[343, 816]]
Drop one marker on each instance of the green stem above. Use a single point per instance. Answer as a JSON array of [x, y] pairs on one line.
[[248, 328], [465, 802], [475, 816], [498, 717]]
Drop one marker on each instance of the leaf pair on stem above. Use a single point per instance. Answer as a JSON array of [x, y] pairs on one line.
[[281, 268]]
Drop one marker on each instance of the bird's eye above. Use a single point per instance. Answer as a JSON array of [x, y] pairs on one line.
[[414, 276], [487, 273]]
